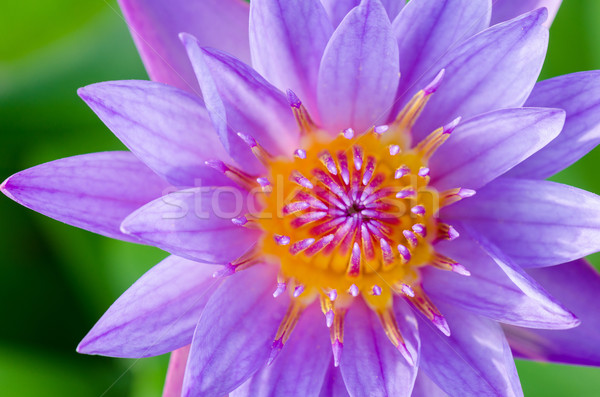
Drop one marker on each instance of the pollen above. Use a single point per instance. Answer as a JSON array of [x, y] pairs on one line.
[[351, 216]]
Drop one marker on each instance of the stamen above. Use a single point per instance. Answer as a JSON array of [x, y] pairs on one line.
[[443, 262], [394, 150], [265, 185], [420, 229], [248, 259], [286, 327], [435, 84], [300, 153], [380, 129], [410, 113], [446, 232], [240, 220], [332, 295], [390, 326], [301, 245], [354, 265], [329, 316], [328, 310], [411, 238], [328, 162], [301, 115], [354, 291], [386, 254], [401, 172], [343, 162], [281, 240], [405, 255], [407, 290], [236, 175], [319, 245], [418, 210], [429, 145], [337, 335], [454, 195], [296, 206], [423, 171], [369, 169], [422, 302], [280, 289], [376, 290], [358, 157], [298, 290], [300, 180], [348, 133], [406, 193], [258, 151]]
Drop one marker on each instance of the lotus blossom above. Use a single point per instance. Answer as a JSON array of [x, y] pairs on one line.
[[352, 195]]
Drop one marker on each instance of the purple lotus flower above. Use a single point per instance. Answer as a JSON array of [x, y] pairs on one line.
[[330, 189]]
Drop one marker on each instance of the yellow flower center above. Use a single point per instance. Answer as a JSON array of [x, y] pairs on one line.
[[351, 215]]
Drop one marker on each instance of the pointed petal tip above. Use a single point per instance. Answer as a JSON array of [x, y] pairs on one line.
[[6, 190], [186, 38]]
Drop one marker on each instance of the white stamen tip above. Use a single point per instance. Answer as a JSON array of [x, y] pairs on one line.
[[300, 153], [332, 295], [380, 129], [280, 290], [298, 290], [348, 133]]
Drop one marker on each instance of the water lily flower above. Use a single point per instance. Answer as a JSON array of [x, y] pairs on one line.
[[352, 195]]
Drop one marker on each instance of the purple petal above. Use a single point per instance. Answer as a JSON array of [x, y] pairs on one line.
[[287, 39], [427, 29], [486, 146], [504, 10], [337, 9], [333, 386], [94, 191], [475, 359], [579, 95], [155, 25], [240, 100], [492, 70], [358, 77], [166, 128], [233, 337], [371, 365], [537, 223], [425, 387], [195, 223], [301, 367], [157, 314], [577, 284], [496, 289]]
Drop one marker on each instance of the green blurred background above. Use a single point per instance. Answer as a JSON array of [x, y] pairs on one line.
[[55, 280]]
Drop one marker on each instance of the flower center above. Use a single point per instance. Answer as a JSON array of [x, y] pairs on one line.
[[352, 214], [349, 216]]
